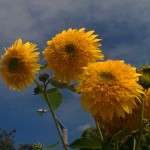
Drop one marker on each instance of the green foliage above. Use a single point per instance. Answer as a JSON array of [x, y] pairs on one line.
[[62, 85], [144, 80], [43, 77], [58, 84], [87, 143], [55, 97], [52, 146], [89, 140], [118, 138], [90, 132], [7, 140], [25, 147], [128, 144], [37, 90], [121, 134], [145, 142], [38, 146]]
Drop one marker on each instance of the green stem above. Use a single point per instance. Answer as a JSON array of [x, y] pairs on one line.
[[99, 131], [141, 125], [116, 145], [134, 143], [53, 114]]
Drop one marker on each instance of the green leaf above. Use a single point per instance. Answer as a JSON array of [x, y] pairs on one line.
[[52, 146], [118, 136], [87, 143], [58, 84], [121, 134], [55, 97]]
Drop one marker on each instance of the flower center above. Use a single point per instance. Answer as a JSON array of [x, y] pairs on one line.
[[70, 49], [107, 76], [14, 65]]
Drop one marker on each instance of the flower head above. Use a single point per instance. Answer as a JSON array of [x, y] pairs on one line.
[[19, 65], [145, 78], [130, 120], [109, 87], [71, 50]]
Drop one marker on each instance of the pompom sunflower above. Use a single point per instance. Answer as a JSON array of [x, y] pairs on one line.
[[130, 120], [19, 65], [71, 50], [109, 87]]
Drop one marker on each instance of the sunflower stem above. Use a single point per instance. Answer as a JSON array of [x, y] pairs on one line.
[[141, 125], [99, 130], [134, 143], [116, 145], [53, 114]]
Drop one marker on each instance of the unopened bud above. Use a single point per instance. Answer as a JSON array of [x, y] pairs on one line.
[[145, 78], [43, 77]]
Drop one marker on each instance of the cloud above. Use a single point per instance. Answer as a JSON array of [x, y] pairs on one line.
[[36, 17], [85, 126], [121, 24]]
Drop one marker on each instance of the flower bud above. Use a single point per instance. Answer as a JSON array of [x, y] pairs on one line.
[[43, 77], [144, 80]]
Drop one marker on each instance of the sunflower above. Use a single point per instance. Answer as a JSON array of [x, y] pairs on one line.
[[19, 65], [130, 120], [109, 87], [71, 50]]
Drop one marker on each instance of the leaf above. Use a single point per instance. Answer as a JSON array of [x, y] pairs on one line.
[[58, 84], [87, 143], [55, 97], [52, 146], [121, 134], [118, 136]]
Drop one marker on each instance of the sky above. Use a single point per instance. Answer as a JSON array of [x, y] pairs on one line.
[[123, 26]]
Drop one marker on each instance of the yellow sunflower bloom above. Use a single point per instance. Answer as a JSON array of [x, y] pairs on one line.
[[19, 65], [109, 87], [71, 50], [130, 120]]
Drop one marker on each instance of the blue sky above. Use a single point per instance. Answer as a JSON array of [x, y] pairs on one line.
[[124, 27]]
